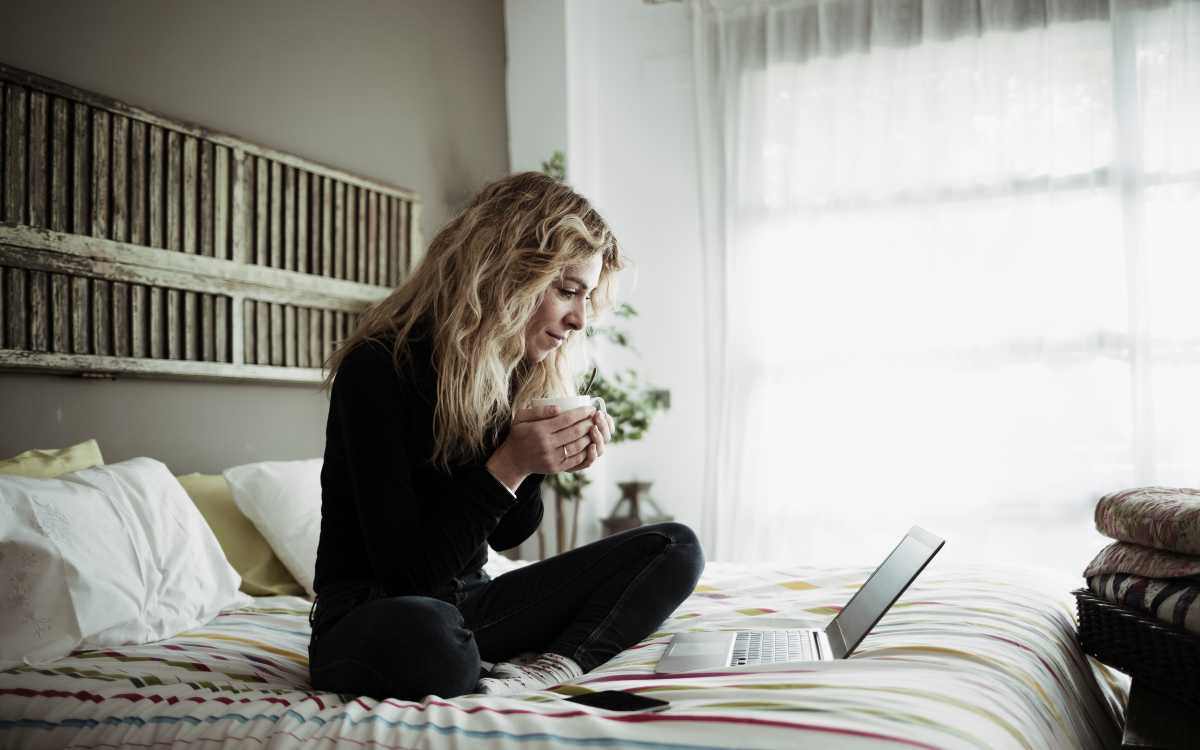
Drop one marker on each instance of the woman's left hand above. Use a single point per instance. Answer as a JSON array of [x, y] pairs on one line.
[[601, 433]]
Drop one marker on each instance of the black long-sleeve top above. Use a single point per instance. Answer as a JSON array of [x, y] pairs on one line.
[[389, 518]]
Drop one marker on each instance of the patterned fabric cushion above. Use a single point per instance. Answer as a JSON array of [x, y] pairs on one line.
[[1123, 557], [1165, 518], [1176, 602]]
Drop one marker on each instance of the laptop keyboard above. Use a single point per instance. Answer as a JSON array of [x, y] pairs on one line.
[[772, 646]]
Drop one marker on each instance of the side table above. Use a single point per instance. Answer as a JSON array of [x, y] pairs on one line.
[[1156, 720]]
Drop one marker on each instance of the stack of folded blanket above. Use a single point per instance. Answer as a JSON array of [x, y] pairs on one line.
[[1154, 566]]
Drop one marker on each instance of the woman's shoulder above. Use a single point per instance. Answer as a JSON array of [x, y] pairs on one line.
[[374, 359]]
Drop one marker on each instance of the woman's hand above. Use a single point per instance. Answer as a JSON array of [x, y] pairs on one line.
[[601, 433], [543, 441]]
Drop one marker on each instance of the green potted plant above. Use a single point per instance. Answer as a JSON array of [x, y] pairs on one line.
[[631, 403]]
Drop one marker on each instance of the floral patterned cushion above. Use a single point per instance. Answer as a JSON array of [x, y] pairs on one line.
[[1166, 518], [1123, 557]]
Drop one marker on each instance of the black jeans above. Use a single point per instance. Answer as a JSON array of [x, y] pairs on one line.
[[588, 604]]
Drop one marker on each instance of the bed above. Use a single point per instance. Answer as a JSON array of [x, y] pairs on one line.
[[968, 658], [131, 244]]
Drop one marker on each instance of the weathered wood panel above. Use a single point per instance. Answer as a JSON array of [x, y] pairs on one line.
[[138, 186], [289, 335], [183, 370], [174, 324], [415, 248], [207, 191], [101, 317], [383, 246], [60, 148], [39, 162], [328, 334], [221, 200], [315, 348], [339, 230], [156, 186], [190, 328], [39, 311], [174, 192], [276, 212], [289, 218], [208, 341], [101, 152], [241, 209], [81, 171], [397, 249], [363, 251], [276, 333], [221, 323], [60, 311], [3, 181], [94, 192], [120, 319], [261, 186], [139, 321], [120, 178], [326, 227], [351, 222], [81, 328], [372, 238], [302, 222], [190, 187], [15, 98], [14, 314], [158, 323], [262, 333], [26, 247]]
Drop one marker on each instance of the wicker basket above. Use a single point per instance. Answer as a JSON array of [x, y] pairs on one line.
[[1141, 646]]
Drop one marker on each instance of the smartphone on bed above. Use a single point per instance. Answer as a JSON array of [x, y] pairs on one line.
[[619, 700]]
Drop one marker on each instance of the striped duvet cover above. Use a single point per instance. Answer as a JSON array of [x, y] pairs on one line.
[[966, 659]]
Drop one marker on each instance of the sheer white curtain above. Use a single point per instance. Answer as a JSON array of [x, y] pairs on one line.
[[952, 269]]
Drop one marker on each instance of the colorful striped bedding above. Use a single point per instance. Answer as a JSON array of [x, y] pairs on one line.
[[966, 659]]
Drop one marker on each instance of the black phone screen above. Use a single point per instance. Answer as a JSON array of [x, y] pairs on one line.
[[618, 700]]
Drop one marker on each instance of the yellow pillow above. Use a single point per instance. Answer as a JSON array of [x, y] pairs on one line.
[[261, 571], [50, 463]]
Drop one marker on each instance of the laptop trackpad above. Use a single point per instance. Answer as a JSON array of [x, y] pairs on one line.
[[701, 648]]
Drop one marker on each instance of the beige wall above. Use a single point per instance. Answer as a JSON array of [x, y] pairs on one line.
[[411, 93]]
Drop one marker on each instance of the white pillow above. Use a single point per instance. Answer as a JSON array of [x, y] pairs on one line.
[[283, 501], [106, 556]]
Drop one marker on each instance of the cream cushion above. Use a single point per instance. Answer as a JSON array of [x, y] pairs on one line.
[[262, 572], [106, 556], [47, 463], [283, 501]]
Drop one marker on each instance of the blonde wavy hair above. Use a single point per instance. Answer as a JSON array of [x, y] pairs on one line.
[[482, 279]]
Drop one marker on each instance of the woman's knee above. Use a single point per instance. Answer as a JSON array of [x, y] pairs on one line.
[[404, 647], [683, 550]]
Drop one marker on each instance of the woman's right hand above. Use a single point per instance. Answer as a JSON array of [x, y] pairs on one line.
[[543, 441]]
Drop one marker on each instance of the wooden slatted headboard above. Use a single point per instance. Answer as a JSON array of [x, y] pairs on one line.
[[130, 243]]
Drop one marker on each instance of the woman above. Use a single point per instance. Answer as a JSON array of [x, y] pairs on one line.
[[428, 459]]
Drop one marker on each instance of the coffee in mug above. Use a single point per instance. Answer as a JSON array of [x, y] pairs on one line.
[[567, 403]]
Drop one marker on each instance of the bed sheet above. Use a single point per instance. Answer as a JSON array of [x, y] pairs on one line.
[[966, 659]]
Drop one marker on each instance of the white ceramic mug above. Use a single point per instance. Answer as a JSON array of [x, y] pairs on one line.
[[567, 403]]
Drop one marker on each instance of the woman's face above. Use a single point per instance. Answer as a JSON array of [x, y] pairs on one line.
[[563, 309]]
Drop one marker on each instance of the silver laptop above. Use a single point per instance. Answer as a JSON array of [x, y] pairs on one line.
[[766, 650]]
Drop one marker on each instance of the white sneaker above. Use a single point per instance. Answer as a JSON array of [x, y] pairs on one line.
[[525, 675]]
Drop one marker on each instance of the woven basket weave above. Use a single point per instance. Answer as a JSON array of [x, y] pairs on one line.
[[1140, 646]]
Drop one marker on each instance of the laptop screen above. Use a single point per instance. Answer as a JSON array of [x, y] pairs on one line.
[[885, 586]]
